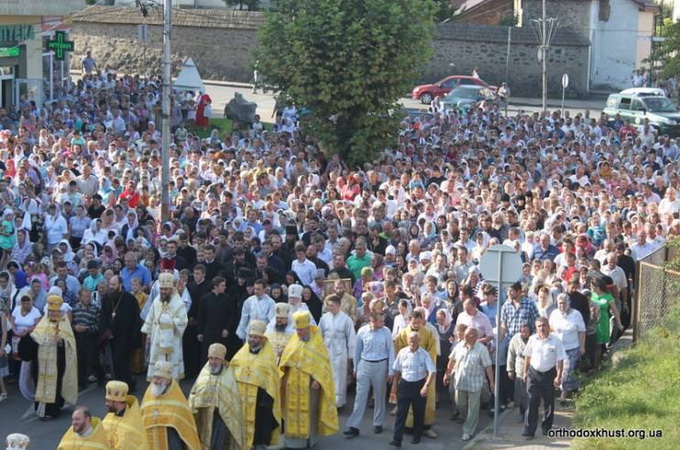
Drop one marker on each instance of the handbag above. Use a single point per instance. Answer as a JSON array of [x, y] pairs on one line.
[[28, 348]]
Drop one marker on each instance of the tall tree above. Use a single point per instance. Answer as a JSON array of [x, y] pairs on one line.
[[348, 62]]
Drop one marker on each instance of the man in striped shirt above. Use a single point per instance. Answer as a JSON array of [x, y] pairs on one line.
[[86, 329]]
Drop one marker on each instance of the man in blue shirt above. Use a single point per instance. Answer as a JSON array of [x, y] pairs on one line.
[[545, 250], [132, 270]]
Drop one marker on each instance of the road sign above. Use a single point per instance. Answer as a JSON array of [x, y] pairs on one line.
[[565, 80], [59, 45], [503, 265], [143, 32]]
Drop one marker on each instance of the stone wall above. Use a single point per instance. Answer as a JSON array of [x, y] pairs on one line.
[[571, 14], [222, 44], [467, 46]]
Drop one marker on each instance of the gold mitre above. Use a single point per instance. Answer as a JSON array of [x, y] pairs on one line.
[[116, 391], [54, 303], [163, 369], [257, 328], [302, 319], [217, 350]]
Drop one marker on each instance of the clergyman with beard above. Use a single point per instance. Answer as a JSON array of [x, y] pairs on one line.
[[122, 423], [120, 328], [216, 403], [164, 327], [168, 420], [86, 432], [280, 330]]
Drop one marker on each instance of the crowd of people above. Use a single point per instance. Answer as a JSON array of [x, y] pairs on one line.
[[284, 277]]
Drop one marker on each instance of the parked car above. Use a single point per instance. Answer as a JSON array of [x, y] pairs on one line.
[[662, 113], [426, 92], [465, 96], [644, 92]]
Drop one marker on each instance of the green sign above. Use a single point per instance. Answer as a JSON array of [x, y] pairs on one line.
[[6, 52], [10, 33], [59, 45]]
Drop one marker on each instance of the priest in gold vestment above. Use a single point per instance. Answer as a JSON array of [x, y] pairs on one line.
[[216, 404], [168, 420], [86, 433], [279, 330], [57, 360], [256, 370], [308, 391], [428, 341], [123, 423]]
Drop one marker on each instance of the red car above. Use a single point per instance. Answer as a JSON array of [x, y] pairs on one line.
[[427, 92]]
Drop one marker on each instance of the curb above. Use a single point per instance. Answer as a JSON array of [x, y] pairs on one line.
[[487, 431]]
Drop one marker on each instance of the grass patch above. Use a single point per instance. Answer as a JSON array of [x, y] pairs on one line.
[[225, 126], [641, 393]]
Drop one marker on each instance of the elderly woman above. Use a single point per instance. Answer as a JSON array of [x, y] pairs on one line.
[[568, 326]]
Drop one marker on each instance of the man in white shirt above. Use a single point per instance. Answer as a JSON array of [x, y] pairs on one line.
[[303, 267], [258, 306], [544, 358], [642, 247]]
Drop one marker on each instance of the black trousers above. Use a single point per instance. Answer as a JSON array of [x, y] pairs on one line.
[[88, 357], [121, 354], [408, 395], [540, 385]]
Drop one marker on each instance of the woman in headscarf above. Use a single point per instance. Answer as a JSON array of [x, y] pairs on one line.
[[128, 230], [7, 236], [110, 253], [105, 191], [95, 233], [445, 328], [403, 319], [22, 248], [313, 303], [482, 239]]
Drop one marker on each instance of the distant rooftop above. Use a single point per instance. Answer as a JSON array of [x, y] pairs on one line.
[[40, 7]]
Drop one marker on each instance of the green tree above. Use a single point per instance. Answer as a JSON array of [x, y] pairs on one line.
[[667, 55], [348, 62], [443, 10]]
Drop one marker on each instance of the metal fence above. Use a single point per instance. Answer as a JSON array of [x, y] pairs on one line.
[[657, 292]]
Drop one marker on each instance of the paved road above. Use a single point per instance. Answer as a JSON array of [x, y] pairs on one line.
[[221, 94], [18, 417]]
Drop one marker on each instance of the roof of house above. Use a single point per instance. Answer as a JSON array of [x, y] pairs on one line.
[[203, 18]]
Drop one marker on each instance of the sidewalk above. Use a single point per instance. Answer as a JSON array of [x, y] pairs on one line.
[[510, 432]]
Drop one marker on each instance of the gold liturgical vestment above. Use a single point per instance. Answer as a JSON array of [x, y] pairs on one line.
[[253, 371], [127, 432], [278, 340], [301, 363], [98, 440], [428, 341], [221, 392], [170, 410], [45, 335]]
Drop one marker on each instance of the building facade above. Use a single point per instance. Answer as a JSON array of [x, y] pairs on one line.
[[27, 70]]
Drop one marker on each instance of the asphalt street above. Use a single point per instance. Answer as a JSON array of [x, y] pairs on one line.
[[18, 417], [222, 93]]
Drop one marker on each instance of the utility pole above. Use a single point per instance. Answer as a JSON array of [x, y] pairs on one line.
[[166, 112], [545, 28]]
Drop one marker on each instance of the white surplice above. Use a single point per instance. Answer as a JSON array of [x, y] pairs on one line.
[[340, 339], [165, 326]]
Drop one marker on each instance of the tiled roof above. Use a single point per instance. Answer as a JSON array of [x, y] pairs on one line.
[[520, 35], [40, 7], [203, 18]]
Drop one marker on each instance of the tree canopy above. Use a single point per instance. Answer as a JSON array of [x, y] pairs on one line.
[[347, 62]]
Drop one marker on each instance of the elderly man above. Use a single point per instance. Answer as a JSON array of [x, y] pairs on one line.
[[216, 404], [295, 300], [468, 362], [544, 357], [414, 374], [308, 393], [123, 421], [164, 327], [428, 341], [515, 366], [86, 432], [167, 417], [256, 371], [340, 338], [280, 330], [57, 361]]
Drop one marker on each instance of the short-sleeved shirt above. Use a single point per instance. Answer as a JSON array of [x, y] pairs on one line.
[[513, 317], [544, 353], [470, 367], [414, 366]]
